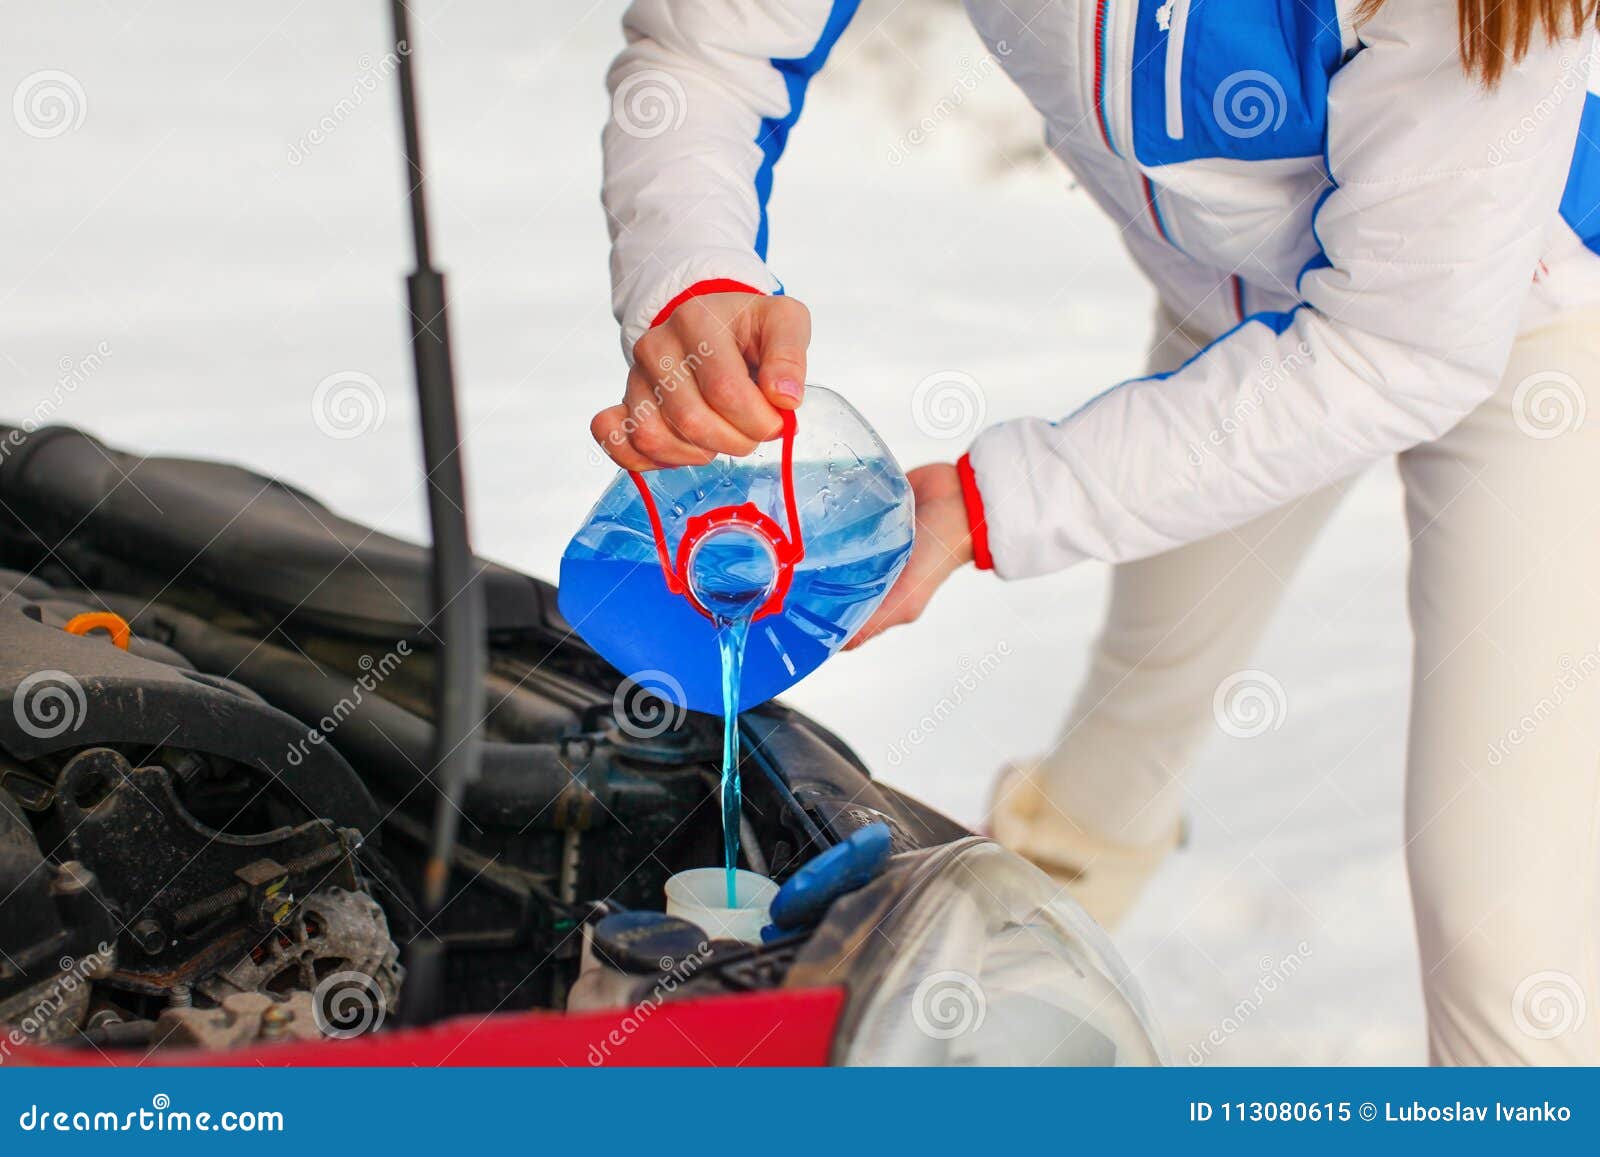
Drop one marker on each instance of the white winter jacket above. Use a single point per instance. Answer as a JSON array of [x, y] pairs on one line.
[[1369, 226]]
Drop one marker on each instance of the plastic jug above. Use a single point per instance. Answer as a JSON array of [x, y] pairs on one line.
[[803, 539]]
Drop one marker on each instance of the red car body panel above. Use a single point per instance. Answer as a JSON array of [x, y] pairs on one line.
[[792, 1027]]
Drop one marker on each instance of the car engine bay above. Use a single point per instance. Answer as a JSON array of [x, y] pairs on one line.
[[215, 797]]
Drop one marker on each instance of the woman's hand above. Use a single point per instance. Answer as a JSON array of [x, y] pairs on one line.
[[943, 546], [709, 380]]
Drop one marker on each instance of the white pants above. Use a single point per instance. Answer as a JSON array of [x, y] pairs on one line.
[[1502, 809]]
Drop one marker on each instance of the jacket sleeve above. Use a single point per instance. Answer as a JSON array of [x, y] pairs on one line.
[[703, 98], [1441, 195]]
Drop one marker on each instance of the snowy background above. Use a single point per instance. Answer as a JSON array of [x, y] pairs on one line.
[[219, 215]]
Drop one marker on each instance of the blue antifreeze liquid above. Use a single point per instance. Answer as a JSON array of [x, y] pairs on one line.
[[730, 644], [731, 573], [847, 495]]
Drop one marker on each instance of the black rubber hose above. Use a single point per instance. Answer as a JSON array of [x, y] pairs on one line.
[[520, 785]]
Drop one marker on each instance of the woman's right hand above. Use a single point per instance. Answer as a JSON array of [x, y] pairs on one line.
[[709, 380]]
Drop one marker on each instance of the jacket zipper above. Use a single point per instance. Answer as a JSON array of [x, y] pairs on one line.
[[1173, 19], [1106, 65], [1101, 21]]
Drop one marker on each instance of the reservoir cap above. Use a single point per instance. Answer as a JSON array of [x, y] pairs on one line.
[[843, 868], [646, 942]]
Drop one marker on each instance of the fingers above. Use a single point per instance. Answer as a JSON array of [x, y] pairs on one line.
[[652, 432], [637, 434], [710, 401], [943, 546], [727, 387], [904, 604], [782, 337], [710, 380], [882, 620], [610, 428], [725, 332]]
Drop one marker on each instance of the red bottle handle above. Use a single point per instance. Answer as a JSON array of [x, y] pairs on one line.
[[787, 550]]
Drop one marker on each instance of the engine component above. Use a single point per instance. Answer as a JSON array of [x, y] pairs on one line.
[[192, 897], [332, 931], [259, 539], [625, 952], [73, 691], [49, 996], [242, 1018], [55, 931]]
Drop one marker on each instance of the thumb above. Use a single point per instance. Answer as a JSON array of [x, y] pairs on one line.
[[784, 333]]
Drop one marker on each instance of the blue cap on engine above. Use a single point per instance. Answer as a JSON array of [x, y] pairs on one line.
[[843, 868]]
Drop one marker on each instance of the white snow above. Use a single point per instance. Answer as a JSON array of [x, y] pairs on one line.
[[229, 262]]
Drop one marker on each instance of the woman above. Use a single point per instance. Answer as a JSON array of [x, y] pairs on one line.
[[1371, 233]]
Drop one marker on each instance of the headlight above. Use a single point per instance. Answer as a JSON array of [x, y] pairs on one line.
[[982, 959]]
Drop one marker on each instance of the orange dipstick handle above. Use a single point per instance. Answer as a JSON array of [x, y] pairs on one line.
[[117, 626]]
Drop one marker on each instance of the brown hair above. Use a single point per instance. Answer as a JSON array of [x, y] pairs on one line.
[[1494, 32]]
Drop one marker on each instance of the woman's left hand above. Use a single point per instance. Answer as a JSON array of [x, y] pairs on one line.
[[943, 546]]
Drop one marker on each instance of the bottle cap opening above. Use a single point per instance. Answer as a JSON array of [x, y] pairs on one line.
[[731, 571]]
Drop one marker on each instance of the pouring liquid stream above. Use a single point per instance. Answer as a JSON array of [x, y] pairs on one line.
[[731, 574], [731, 635]]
